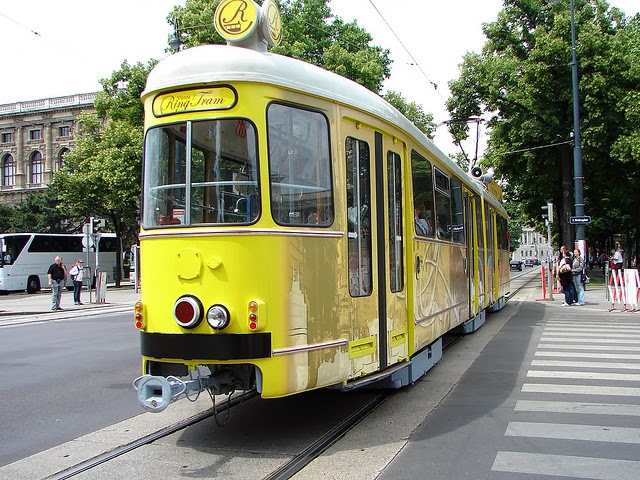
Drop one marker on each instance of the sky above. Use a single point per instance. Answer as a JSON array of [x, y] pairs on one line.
[[63, 48]]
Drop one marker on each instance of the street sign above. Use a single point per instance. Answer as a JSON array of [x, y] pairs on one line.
[[582, 220]]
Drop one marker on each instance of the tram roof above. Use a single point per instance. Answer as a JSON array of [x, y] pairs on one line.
[[206, 64]]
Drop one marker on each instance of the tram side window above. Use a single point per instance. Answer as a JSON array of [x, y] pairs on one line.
[[359, 217], [224, 172], [394, 175], [488, 216], [458, 216], [480, 224], [164, 194], [422, 195], [443, 206], [503, 235], [299, 166]]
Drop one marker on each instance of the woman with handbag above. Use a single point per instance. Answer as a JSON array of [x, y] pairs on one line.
[[565, 273], [578, 267]]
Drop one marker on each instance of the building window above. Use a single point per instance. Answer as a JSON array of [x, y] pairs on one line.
[[37, 168], [8, 171], [59, 163], [7, 137], [64, 131], [35, 134]]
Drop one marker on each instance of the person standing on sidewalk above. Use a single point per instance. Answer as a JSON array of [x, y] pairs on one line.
[[57, 274], [566, 280], [77, 273], [578, 268]]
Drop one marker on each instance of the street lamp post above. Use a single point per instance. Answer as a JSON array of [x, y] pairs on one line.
[[578, 178]]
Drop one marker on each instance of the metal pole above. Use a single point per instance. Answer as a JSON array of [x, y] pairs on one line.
[[578, 178]]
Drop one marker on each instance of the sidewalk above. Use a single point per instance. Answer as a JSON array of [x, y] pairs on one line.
[[39, 303], [596, 296]]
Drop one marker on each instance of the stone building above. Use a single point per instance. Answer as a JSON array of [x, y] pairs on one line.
[[533, 245], [34, 136]]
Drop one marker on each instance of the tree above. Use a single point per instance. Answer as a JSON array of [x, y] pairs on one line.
[[102, 174], [310, 33], [522, 81], [38, 213], [413, 111]]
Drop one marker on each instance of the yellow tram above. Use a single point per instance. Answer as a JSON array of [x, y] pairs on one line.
[[297, 231]]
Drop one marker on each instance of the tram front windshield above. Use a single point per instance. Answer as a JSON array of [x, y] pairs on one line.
[[201, 172]]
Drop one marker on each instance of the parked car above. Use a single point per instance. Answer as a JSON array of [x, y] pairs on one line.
[[529, 263], [515, 265]]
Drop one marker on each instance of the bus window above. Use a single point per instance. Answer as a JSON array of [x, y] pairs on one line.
[[12, 247], [358, 217], [299, 166], [422, 195]]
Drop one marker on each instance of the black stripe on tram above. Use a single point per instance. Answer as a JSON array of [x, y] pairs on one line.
[[382, 279], [219, 346]]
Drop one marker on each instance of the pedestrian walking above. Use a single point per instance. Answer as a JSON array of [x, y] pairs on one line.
[[77, 274], [57, 274]]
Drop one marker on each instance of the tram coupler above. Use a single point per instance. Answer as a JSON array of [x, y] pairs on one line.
[[155, 393]]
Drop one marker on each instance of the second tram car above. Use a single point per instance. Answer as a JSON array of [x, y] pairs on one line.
[[298, 232]]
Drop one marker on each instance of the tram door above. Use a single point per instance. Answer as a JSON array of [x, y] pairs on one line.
[[472, 252], [375, 251]]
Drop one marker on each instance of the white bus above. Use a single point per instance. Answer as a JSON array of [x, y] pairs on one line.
[[26, 257]]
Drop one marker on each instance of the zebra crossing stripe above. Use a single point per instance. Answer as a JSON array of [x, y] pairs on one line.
[[566, 466], [571, 346], [580, 389], [586, 364], [576, 339], [582, 375], [587, 408], [563, 431], [577, 334], [611, 356]]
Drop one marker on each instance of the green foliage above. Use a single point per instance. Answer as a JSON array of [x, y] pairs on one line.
[[521, 82], [310, 33], [413, 111], [37, 213]]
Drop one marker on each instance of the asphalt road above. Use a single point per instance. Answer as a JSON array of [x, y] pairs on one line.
[[60, 379]]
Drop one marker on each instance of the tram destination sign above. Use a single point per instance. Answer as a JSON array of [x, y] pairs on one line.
[[581, 220]]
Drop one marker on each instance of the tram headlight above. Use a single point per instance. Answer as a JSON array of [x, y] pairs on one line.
[[187, 311], [218, 317]]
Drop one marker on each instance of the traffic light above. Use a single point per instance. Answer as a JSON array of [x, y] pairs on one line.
[[548, 209], [96, 224]]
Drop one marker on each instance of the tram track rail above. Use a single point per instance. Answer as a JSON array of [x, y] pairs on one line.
[[148, 439]]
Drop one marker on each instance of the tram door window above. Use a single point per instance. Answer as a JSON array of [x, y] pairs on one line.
[[443, 205], [481, 260], [359, 217], [299, 166], [458, 209], [422, 195], [394, 179]]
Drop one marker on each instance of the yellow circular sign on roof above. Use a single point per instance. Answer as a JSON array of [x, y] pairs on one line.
[[273, 22], [236, 19]]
